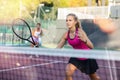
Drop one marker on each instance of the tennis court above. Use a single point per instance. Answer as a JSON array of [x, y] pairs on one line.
[[22, 63]]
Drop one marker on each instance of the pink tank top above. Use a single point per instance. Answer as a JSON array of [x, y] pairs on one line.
[[76, 43]]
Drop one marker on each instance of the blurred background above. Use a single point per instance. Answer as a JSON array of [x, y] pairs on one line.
[[52, 14]]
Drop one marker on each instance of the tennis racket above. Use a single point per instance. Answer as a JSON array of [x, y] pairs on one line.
[[22, 30]]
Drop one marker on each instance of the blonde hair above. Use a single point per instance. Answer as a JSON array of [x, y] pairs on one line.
[[78, 25]]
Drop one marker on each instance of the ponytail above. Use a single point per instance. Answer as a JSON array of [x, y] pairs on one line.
[[78, 25]]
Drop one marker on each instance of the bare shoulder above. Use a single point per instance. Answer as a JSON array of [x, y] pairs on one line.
[[65, 35], [80, 30]]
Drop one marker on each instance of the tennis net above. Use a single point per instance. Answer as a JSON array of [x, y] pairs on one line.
[[23, 63]]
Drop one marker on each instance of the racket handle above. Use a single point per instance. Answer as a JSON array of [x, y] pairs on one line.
[[36, 46]]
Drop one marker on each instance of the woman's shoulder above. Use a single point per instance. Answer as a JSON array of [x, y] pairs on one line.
[[81, 30], [65, 35]]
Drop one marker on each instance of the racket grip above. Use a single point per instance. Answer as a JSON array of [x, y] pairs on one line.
[[36, 46]]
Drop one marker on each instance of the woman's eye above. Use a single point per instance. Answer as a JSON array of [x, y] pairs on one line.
[[68, 20]]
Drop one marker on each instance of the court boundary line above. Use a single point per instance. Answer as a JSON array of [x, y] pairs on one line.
[[23, 67]]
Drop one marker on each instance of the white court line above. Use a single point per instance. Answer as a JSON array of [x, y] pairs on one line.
[[110, 68], [30, 57], [23, 67], [109, 65], [114, 70], [39, 58]]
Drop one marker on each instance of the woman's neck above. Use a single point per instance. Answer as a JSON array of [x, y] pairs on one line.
[[72, 30]]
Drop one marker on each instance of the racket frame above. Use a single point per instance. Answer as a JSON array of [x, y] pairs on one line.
[[27, 39]]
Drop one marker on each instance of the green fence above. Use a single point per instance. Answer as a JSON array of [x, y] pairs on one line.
[[7, 37]]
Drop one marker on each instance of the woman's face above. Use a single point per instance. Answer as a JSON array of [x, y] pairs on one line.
[[37, 25], [70, 22]]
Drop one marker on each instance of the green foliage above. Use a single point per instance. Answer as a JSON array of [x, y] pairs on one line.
[[29, 6]]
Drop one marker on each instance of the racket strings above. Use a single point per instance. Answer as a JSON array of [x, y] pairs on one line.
[[21, 29]]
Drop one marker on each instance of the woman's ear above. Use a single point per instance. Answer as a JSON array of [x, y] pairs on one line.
[[76, 22]]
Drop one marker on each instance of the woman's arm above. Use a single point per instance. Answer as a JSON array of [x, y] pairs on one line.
[[85, 38], [62, 41], [41, 34]]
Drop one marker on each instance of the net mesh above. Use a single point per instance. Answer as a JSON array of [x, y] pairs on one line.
[[49, 64]]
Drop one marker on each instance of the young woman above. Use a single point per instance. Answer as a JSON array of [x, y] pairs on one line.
[[78, 39], [37, 33]]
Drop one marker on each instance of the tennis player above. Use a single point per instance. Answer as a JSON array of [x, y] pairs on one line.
[[78, 39], [37, 33]]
